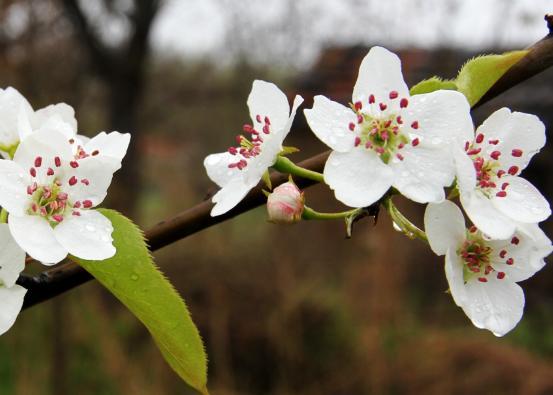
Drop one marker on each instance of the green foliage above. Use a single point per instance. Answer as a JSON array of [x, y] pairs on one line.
[[479, 74], [431, 85], [475, 78], [135, 280]]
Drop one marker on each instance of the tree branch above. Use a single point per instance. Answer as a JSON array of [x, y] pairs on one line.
[[68, 275]]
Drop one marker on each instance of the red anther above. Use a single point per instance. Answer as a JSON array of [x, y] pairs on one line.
[[500, 275], [474, 151], [403, 103], [399, 120], [473, 229], [384, 135], [32, 171], [492, 184], [387, 124], [504, 185], [501, 194], [57, 161], [493, 142], [488, 270], [76, 213], [382, 106], [415, 125], [74, 164], [495, 155], [95, 152], [266, 129], [77, 204], [400, 146], [379, 150], [258, 118], [267, 121], [72, 181], [513, 170], [71, 141], [57, 217], [239, 139], [232, 150], [372, 99], [351, 126], [87, 203], [53, 205], [85, 181], [515, 240], [357, 140], [502, 253], [358, 105], [479, 138], [247, 128], [29, 190], [467, 145], [510, 261], [62, 196], [34, 207], [500, 173], [483, 279], [517, 153], [399, 156], [360, 119], [393, 95], [368, 145], [43, 212], [38, 161]]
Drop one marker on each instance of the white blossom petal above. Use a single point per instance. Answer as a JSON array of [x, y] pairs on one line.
[[112, 144], [216, 166], [486, 217], [496, 305], [35, 235], [359, 178], [379, 74], [12, 258], [87, 236], [267, 100], [63, 111], [13, 183], [444, 225], [282, 133], [525, 251], [515, 131], [11, 302], [466, 174], [443, 118], [330, 121], [523, 202], [15, 111], [455, 278], [423, 173], [229, 196]]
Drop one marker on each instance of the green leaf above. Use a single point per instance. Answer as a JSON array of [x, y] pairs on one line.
[[431, 85], [136, 281], [479, 74]]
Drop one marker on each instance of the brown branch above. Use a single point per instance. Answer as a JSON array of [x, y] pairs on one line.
[[69, 275]]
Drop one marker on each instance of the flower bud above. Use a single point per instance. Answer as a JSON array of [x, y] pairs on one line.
[[285, 204]]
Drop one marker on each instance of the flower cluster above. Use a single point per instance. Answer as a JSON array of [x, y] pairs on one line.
[[388, 141], [50, 182]]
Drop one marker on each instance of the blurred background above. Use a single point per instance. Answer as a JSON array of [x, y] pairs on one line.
[[282, 310]]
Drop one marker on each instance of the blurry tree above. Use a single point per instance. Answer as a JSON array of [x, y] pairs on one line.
[[115, 35]]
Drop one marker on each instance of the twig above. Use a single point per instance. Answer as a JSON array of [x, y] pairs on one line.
[[68, 275]]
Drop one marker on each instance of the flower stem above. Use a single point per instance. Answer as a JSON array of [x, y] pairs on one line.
[[309, 214], [3, 216], [406, 226], [285, 165]]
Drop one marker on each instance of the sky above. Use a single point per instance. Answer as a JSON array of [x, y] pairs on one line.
[[293, 32]]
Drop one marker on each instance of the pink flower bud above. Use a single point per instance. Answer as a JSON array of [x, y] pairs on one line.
[[285, 204]]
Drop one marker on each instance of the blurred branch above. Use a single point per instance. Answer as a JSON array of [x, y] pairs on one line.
[[68, 275]]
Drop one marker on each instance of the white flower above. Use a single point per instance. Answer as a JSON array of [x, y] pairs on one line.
[[388, 138], [12, 262], [492, 194], [482, 273], [285, 204], [18, 119], [49, 195], [241, 168]]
